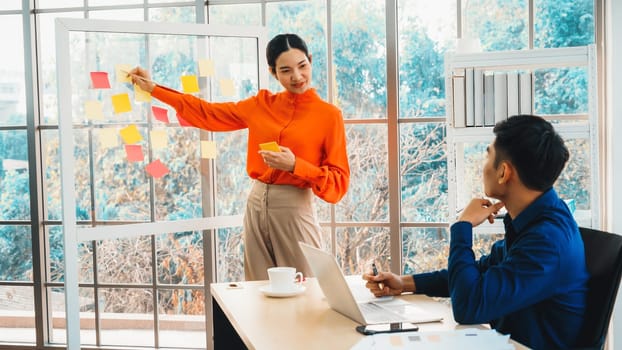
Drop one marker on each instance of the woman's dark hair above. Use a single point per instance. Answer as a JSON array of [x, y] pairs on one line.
[[282, 43], [533, 147]]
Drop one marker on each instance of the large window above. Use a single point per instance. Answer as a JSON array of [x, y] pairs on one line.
[[395, 213]]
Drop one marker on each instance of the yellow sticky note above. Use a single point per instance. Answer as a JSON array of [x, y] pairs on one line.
[[190, 83], [121, 103], [208, 149], [121, 72], [226, 87], [130, 134], [141, 95], [94, 110], [206, 68], [108, 138], [159, 139], [270, 146]]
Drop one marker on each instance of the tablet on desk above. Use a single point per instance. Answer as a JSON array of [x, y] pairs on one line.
[[372, 329]]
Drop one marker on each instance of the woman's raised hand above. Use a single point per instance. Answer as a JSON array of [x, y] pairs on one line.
[[142, 78]]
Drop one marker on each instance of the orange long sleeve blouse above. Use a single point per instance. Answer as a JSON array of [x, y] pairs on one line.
[[312, 128]]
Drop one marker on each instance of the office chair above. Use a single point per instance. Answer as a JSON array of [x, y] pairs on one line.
[[603, 255]]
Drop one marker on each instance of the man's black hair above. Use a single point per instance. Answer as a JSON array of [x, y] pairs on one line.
[[533, 147]]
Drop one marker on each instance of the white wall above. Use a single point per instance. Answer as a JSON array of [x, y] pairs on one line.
[[614, 113]]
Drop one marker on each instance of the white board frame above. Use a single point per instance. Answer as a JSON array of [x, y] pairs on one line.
[[72, 235]]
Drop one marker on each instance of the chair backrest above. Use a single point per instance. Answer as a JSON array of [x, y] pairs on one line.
[[603, 255]]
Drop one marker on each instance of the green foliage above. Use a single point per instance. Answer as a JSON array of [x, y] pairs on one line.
[[15, 196], [359, 57], [422, 74], [564, 23], [16, 253], [499, 24], [561, 91]]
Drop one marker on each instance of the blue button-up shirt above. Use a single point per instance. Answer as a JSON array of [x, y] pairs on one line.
[[532, 285]]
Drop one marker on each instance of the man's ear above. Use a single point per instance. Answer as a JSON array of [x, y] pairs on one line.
[[504, 172], [272, 71], [310, 60]]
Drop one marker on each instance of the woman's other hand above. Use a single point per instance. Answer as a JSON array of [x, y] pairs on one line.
[[284, 160]]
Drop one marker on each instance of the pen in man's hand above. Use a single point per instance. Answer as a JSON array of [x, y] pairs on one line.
[[375, 272]]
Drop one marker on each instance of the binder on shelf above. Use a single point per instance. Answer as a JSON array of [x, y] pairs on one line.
[[469, 103], [459, 103], [525, 97], [489, 100], [478, 97], [501, 96], [513, 107]]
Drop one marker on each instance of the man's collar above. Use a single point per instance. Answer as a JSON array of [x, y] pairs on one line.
[[533, 210]]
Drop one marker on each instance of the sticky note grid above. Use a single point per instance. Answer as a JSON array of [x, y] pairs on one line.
[[117, 97]]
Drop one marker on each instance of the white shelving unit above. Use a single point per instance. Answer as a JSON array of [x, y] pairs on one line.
[[576, 126]]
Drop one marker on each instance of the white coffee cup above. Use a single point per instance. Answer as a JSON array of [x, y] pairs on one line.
[[284, 279]]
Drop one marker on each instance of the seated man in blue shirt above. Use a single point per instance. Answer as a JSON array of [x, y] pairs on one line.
[[533, 284]]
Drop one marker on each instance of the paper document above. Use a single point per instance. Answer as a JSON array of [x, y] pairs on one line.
[[463, 339]]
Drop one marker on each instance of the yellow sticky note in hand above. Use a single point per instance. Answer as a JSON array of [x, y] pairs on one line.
[[270, 146], [190, 83], [121, 103], [121, 73], [141, 95], [131, 135]]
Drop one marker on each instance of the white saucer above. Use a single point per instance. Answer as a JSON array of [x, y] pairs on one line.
[[267, 291]]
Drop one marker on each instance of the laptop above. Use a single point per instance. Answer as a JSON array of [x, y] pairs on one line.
[[340, 296]]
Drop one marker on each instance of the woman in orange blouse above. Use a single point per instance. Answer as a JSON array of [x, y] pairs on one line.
[[312, 157]]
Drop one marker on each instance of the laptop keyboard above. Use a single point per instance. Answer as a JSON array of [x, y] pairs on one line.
[[375, 313]]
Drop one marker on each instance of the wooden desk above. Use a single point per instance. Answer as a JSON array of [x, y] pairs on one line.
[[245, 318]]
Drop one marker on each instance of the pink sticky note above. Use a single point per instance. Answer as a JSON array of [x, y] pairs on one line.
[[99, 80], [160, 113], [156, 169], [182, 122], [134, 153]]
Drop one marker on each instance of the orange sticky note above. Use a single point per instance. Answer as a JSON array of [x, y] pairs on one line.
[[396, 341], [141, 95], [206, 68], [270, 146], [121, 72], [208, 149], [130, 134], [121, 103], [226, 87], [94, 110], [434, 338], [159, 139], [160, 113], [156, 169], [99, 80], [134, 153], [190, 84], [108, 138]]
